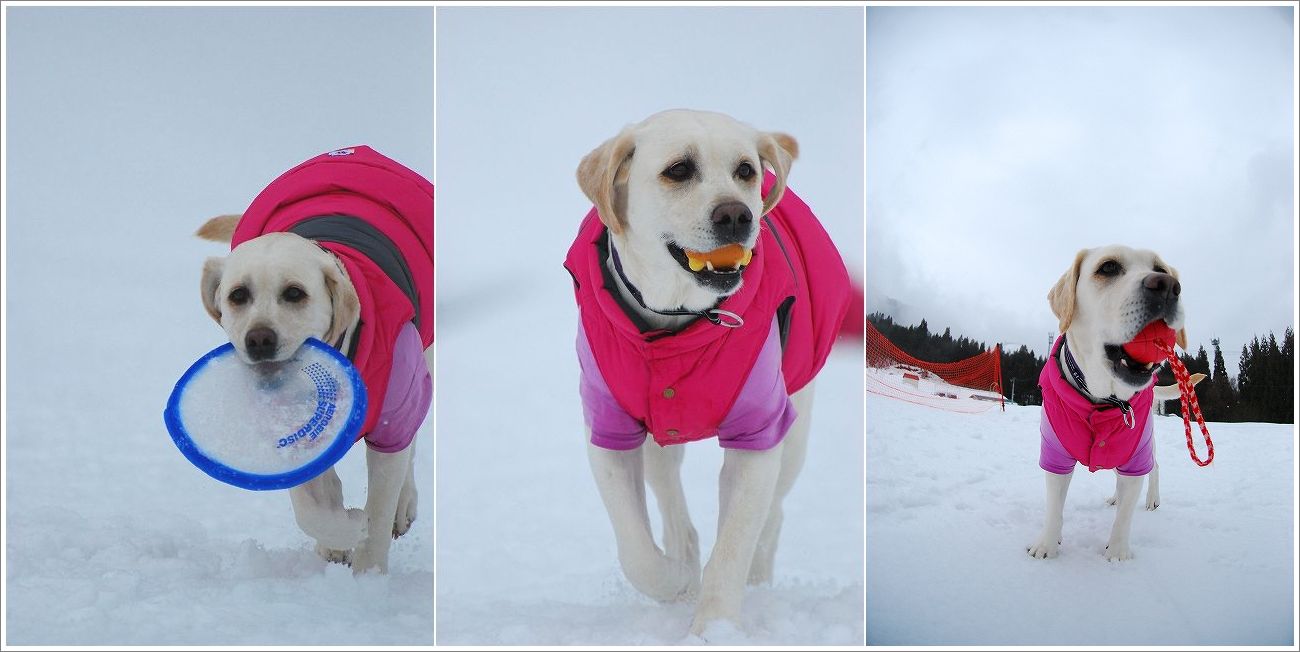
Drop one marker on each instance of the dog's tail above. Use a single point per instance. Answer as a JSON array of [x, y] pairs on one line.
[[219, 229], [1170, 392]]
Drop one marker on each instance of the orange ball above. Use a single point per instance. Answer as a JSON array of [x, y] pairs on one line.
[[727, 256]]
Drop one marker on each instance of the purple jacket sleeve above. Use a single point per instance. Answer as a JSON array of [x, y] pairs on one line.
[[410, 391], [762, 413], [611, 427]]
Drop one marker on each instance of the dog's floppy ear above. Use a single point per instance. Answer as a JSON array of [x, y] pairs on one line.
[[345, 306], [777, 152], [208, 285], [219, 229], [602, 175], [1061, 296]]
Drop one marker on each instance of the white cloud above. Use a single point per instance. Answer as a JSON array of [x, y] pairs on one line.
[[1001, 140]]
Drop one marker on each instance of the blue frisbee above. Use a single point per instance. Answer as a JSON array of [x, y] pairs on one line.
[[270, 425]]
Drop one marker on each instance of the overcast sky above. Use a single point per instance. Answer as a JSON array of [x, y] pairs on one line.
[[1002, 140], [525, 92], [129, 127]]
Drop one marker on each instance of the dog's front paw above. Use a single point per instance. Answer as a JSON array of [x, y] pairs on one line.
[[660, 577], [710, 611], [1046, 547], [368, 559], [1153, 501], [334, 556], [1118, 551], [405, 513]]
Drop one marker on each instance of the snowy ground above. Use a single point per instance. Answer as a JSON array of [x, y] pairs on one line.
[[953, 500], [124, 134], [112, 536], [526, 554]]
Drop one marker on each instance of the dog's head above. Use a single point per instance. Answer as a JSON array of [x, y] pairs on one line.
[[273, 292], [1111, 293], [681, 192]]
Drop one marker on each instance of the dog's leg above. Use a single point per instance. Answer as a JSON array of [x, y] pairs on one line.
[[318, 509], [1153, 484], [663, 472], [1153, 480], [406, 500], [746, 486], [793, 452], [1049, 541], [385, 474], [1126, 493], [620, 479]]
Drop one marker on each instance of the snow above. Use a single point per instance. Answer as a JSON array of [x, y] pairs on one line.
[[113, 538], [526, 555], [125, 133], [954, 499], [920, 387]]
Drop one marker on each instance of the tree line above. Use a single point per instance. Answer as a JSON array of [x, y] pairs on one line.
[[1262, 389]]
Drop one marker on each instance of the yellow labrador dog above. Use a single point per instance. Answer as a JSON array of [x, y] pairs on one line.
[[269, 295], [1103, 300], [277, 289], [678, 183]]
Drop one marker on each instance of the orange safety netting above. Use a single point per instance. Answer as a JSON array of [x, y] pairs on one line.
[[980, 372]]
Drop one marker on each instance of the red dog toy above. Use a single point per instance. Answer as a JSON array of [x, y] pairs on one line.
[[1155, 342], [1144, 348]]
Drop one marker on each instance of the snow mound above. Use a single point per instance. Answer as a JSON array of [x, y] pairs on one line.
[[920, 387]]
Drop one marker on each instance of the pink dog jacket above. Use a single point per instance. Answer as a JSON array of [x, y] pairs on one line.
[[1074, 429], [682, 386], [376, 217], [758, 420]]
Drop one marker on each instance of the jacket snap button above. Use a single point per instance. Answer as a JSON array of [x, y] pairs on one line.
[[672, 433], [1101, 443], [670, 392]]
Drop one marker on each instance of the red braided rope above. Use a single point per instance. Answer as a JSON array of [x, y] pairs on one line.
[[1186, 393]]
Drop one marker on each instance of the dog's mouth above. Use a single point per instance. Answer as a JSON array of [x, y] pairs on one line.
[[719, 268], [270, 374], [1127, 368]]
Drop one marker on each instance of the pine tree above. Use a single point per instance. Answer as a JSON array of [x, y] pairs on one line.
[[1202, 362], [1273, 393], [1286, 398], [1245, 386], [1219, 400]]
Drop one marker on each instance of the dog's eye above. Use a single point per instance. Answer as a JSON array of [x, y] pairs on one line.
[[1109, 268], [239, 296], [293, 294], [680, 171], [1159, 270], [745, 171]]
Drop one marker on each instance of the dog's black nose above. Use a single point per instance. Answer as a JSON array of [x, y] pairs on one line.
[[1162, 285], [732, 221], [260, 343]]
